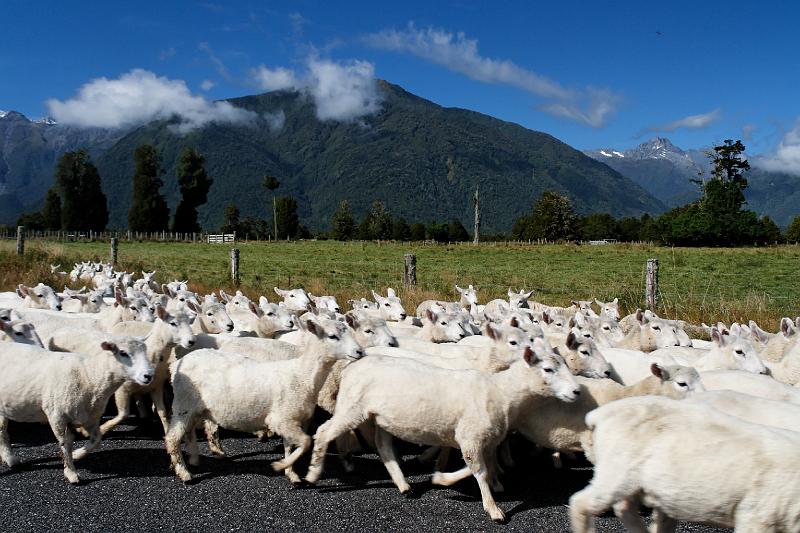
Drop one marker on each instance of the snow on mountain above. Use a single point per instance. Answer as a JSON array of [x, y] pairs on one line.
[[3, 113], [45, 120]]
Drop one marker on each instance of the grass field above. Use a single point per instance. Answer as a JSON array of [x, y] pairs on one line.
[[696, 284]]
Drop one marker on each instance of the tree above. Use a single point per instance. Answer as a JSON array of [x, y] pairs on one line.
[[553, 218], [232, 224], [376, 224], [417, 231], [401, 231], [456, 231], [31, 221], [288, 222], [194, 185], [437, 232], [149, 211], [271, 183], [344, 225], [598, 226], [82, 202], [793, 231], [770, 232], [51, 212]]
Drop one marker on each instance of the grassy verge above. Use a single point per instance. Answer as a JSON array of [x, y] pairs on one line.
[[697, 284]]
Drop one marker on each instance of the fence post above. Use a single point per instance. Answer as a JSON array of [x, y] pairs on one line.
[[409, 270], [114, 248], [235, 266], [20, 240], [651, 291]]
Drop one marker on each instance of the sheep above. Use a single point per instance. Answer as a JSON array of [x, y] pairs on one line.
[[469, 301], [280, 394], [328, 303], [176, 285], [441, 327], [561, 427], [54, 269], [516, 300], [148, 278], [390, 308], [777, 346], [169, 330], [788, 369], [583, 357], [649, 334], [39, 297], [19, 331], [438, 407], [609, 309], [267, 320], [237, 302], [749, 383], [655, 451], [64, 390], [179, 300], [753, 409], [83, 303], [363, 305], [211, 318], [296, 300]]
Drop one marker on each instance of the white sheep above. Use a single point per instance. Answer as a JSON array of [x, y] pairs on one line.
[[211, 317], [390, 308], [296, 300], [749, 383], [39, 297], [438, 407], [609, 309], [279, 394], [64, 390], [751, 408], [328, 303], [689, 462], [19, 331]]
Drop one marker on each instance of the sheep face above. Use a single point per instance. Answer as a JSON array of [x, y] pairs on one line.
[[140, 309], [370, 331], [584, 358], [390, 307], [608, 331], [609, 309], [132, 354], [294, 299], [519, 299], [41, 297], [180, 300], [326, 302], [469, 296], [336, 337], [213, 315], [656, 333], [445, 327], [277, 316], [740, 352], [677, 381], [236, 302], [362, 305], [551, 370], [179, 327], [19, 331]]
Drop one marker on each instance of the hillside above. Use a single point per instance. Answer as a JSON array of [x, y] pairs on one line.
[[421, 159]]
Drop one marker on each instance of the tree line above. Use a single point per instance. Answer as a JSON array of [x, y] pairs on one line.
[[76, 202]]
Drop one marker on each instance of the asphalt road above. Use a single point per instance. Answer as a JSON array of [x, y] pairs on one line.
[[127, 485]]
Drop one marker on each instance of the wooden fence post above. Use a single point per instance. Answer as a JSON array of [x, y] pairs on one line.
[[651, 291], [409, 270], [235, 266], [20, 240], [114, 248]]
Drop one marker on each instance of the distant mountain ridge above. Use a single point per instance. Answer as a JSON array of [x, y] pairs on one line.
[[422, 160], [665, 171]]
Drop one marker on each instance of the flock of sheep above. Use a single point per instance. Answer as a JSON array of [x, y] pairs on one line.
[[704, 431]]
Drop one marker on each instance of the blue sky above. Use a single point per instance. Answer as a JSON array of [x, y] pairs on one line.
[[593, 75]]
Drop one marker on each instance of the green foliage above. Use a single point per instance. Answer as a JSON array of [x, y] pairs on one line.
[[770, 233], [51, 211], [287, 218], [376, 224], [437, 232], [149, 211], [401, 231], [232, 223], [793, 231], [598, 226], [32, 221], [417, 231], [83, 204], [456, 231], [553, 218], [194, 185], [344, 225]]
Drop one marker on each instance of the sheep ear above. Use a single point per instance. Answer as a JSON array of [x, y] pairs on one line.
[[351, 320], [5, 326], [430, 315], [312, 297], [511, 293], [571, 323], [23, 290], [224, 295], [514, 322], [191, 305], [717, 336], [616, 300], [253, 307], [459, 290], [312, 327], [787, 328], [598, 302], [546, 317], [556, 351], [491, 332], [110, 346], [390, 293], [378, 297], [659, 371], [118, 298], [262, 300], [161, 313], [529, 356], [572, 341], [279, 292], [526, 295]]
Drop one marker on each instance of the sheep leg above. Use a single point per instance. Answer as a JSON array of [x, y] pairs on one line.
[[94, 443], [191, 445], [446, 479], [65, 439], [585, 504], [157, 395], [661, 523], [291, 475], [212, 436], [292, 434], [122, 398], [340, 422], [345, 444], [628, 513], [494, 470], [442, 460], [5, 445], [505, 454], [428, 455], [176, 433], [383, 440], [476, 461]]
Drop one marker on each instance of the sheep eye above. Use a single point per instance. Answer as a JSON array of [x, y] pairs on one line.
[[606, 328], [173, 324], [681, 383], [134, 309], [40, 296], [739, 352], [368, 331], [444, 323], [585, 353], [512, 343], [548, 370], [18, 334], [386, 305], [270, 314], [656, 328], [182, 299], [210, 314], [124, 354], [291, 296], [333, 337]]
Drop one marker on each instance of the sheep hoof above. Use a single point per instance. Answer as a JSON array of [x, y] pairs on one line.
[[279, 466], [13, 462], [72, 477], [498, 515], [408, 493]]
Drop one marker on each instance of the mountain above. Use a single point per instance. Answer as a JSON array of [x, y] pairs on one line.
[[29, 151], [665, 171], [422, 160]]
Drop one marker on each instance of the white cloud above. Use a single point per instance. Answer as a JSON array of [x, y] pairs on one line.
[[786, 157], [276, 79], [275, 120], [207, 85], [340, 91], [459, 54], [140, 96]]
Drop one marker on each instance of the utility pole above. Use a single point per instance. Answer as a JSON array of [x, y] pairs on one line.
[[476, 201]]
